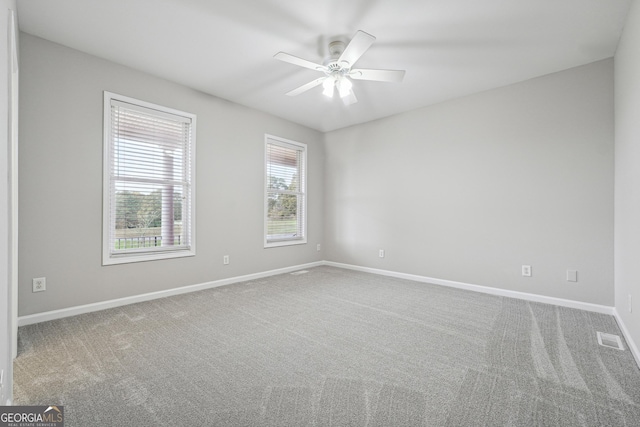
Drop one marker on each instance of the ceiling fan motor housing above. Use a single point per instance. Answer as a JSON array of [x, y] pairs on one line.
[[334, 66], [336, 48]]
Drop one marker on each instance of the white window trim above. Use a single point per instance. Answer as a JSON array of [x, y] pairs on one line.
[[271, 139], [108, 215]]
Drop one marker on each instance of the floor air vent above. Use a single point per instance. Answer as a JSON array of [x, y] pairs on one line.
[[610, 340], [297, 273]]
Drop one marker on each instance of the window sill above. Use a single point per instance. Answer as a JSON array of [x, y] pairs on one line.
[[133, 257], [278, 243]]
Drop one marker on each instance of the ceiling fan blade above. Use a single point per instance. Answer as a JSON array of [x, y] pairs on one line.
[[356, 48], [299, 61], [395, 76], [305, 87], [350, 99]]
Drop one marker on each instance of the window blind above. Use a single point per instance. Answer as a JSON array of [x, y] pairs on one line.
[[149, 180], [285, 191]]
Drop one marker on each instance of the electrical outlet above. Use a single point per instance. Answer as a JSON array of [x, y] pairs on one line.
[[381, 253], [39, 284], [572, 276], [318, 247], [225, 260], [526, 270]]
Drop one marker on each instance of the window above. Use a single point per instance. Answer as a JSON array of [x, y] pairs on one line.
[[285, 192], [148, 181]]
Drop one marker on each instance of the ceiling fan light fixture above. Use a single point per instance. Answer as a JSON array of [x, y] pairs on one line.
[[344, 87], [328, 86]]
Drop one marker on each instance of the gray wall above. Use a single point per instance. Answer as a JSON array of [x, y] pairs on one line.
[[61, 183], [627, 193], [469, 190]]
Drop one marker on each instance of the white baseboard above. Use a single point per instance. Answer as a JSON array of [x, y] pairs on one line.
[[88, 308], [627, 337], [484, 289]]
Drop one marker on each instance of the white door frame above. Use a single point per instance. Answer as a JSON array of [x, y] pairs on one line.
[[8, 195]]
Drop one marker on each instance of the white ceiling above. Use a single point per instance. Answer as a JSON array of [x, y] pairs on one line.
[[449, 48]]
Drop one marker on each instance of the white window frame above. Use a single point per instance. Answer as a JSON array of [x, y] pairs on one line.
[[108, 214], [299, 240]]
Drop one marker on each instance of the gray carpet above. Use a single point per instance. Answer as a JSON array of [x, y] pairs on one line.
[[332, 347]]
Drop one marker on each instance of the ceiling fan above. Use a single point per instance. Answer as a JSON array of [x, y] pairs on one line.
[[337, 68]]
